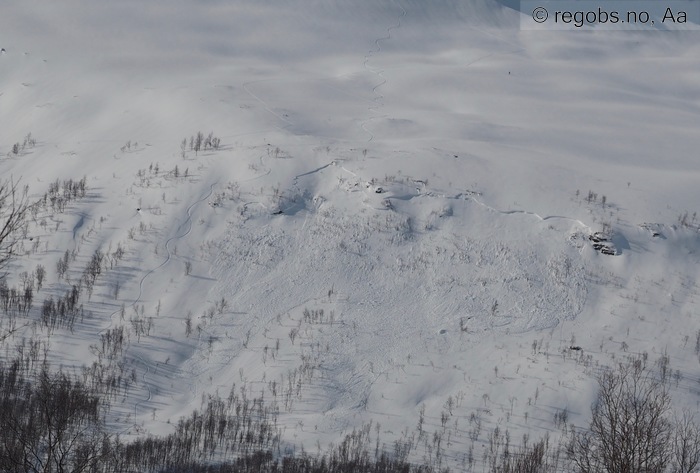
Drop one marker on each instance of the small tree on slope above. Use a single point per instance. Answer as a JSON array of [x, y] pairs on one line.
[[13, 210], [631, 430]]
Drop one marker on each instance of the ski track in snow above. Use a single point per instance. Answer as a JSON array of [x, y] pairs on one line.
[[246, 87], [148, 366], [524, 212], [188, 223], [379, 97]]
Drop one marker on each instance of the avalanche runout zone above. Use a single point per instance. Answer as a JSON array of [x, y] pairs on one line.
[[387, 263]]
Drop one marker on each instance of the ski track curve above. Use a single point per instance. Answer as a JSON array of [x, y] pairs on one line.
[[178, 235], [246, 87], [378, 96], [188, 223], [525, 212]]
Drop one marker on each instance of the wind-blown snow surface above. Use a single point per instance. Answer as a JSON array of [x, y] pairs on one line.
[[418, 172]]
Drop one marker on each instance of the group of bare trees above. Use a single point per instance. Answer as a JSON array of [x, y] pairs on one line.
[[62, 193], [51, 421], [29, 142], [13, 211], [15, 207], [15, 301], [198, 142], [633, 430], [48, 422]]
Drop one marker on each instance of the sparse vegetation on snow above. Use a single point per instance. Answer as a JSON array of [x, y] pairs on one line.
[[379, 262]]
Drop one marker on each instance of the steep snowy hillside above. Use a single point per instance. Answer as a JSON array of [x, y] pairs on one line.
[[403, 211]]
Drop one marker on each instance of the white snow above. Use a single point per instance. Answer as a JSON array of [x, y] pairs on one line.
[[480, 137]]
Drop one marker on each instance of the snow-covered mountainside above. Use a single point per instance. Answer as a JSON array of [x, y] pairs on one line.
[[403, 211]]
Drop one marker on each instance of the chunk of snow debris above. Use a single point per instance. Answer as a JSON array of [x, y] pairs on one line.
[[654, 229], [605, 248], [602, 243], [598, 237]]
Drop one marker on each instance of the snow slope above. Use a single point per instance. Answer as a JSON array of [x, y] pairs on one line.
[[419, 173]]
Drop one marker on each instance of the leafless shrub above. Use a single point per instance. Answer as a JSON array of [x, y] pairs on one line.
[[13, 210], [630, 429]]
